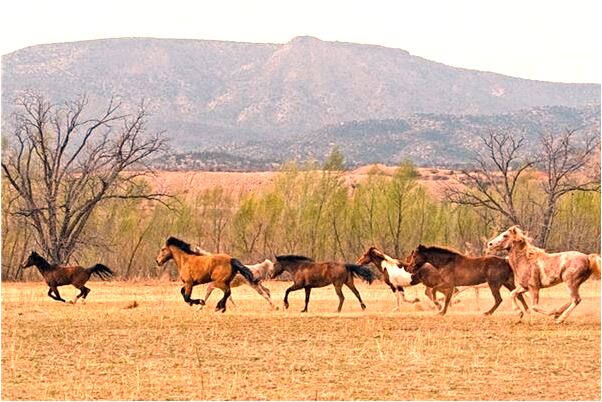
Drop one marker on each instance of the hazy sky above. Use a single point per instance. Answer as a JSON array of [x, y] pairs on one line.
[[547, 40]]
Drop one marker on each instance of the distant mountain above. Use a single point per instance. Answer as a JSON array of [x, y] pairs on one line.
[[305, 93]]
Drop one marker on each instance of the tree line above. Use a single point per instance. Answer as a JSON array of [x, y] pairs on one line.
[[64, 169]]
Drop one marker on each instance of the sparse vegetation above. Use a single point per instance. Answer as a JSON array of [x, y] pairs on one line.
[[164, 349]]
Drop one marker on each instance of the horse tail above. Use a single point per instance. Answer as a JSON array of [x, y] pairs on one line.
[[594, 264], [102, 271], [238, 266], [363, 271]]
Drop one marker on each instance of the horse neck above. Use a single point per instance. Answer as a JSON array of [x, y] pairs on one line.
[[438, 259], [518, 255], [378, 261], [178, 256], [43, 265], [292, 266]]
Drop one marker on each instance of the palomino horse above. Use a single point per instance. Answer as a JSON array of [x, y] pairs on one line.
[[453, 269], [260, 272], [535, 269], [195, 269], [393, 271], [59, 275], [308, 274]]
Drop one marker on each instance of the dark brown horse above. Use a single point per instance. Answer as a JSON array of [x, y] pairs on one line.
[[451, 269], [195, 269], [308, 274], [57, 275]]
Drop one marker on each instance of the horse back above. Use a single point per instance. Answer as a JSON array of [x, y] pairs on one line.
[[65, 275], [209, 268]]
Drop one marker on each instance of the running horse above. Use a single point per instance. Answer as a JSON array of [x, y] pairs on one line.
[[260, 272], [196, 269], [451, 269], [394, 274], [57, 275], [308, 274], [535, 269]]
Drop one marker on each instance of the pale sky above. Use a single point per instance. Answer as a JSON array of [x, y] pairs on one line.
[[549, 40]]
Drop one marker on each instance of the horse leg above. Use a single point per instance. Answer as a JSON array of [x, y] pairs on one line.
[[82, 293], [575, 300], [398, 298], [403, 296], [534, 291], [510, 286], [448, 295], [339, 290], [294, 287], [221, 305], [186, 292], [210, 288], [307, 293], [351, 286], [265, 293], [232, 301], [495, 291], [430, 294], [476, 294], [51, 295], [58, 295], [518, 291]]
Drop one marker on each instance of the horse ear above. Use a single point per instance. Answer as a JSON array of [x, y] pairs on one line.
[[513, 229], [421, 247]]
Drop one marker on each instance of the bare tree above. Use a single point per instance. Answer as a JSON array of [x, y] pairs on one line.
[[564, 159], [63, 163], [492, 184]]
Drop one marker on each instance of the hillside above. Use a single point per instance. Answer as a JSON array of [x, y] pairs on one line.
[[211, 94]]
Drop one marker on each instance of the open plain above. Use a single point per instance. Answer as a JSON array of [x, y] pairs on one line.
[[141, 341]]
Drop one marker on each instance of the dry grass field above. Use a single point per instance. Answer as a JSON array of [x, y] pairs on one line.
[[163, 349]]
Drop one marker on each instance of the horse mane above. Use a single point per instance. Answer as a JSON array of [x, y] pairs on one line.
[[292, 258], [531, 251], [181, 244], [442, 250]]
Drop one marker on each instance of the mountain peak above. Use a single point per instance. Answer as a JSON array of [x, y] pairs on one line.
[[305, 40]]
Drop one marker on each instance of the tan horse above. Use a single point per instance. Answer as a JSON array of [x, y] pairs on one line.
[[535, 269], [195, 269]]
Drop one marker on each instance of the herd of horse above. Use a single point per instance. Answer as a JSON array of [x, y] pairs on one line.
[[526, 269]]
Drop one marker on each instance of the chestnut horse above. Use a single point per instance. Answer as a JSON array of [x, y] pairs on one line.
[[59, 275], [195, 269], [455, 269], [535, 269], [308, 274]]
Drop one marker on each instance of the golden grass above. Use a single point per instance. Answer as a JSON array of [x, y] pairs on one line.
[[141, 341]]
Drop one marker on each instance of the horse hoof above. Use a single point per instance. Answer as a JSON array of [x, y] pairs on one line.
[[395, 309], [363, 306], [416, 300]]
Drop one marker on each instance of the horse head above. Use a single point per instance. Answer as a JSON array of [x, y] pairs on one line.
[[165, 255], [416, 259], [506, 239], [33, 259], [373, 254]]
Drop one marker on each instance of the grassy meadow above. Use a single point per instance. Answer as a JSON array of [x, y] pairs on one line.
[[135, 341]]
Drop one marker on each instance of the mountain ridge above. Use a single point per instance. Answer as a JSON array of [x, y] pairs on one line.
[[205, 93]]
